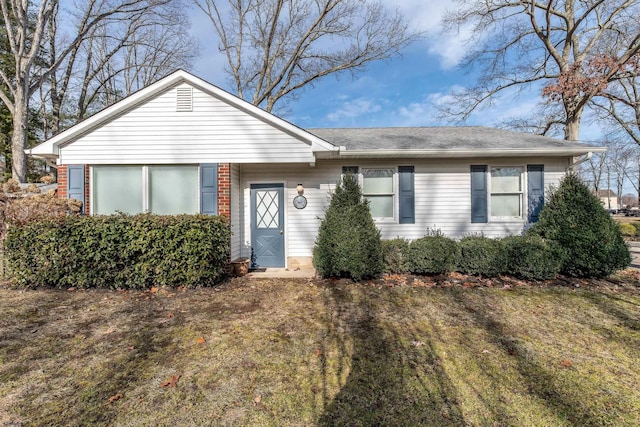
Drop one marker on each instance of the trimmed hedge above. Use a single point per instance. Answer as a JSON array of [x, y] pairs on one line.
[[119, 251], [482, 256], [396, 253], [433, 255], [532, 257]]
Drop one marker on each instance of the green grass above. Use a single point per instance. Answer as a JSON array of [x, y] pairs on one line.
[[300, 353]]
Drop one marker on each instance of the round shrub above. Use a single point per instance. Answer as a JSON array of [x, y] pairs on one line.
[[627, 229], [532, 257], [591, 240], [433, 255], [482, 256], [395, 255], [348, 243], [636, 225]]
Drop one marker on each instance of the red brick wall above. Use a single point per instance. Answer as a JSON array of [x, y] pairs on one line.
[[62, 181], [224, 189], [62, 185]]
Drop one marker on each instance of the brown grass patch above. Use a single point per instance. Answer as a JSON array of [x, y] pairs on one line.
[[399, 351]]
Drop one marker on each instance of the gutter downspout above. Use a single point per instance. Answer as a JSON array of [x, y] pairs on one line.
[[585, 158]]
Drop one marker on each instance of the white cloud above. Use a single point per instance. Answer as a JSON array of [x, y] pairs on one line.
[[354, 108]]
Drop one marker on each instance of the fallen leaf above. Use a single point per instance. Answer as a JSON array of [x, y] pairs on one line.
[[318, 352], [154, 289], [113, 398], [566, 363], [200, 340], [169, 315], [257, 399], [171, 382]]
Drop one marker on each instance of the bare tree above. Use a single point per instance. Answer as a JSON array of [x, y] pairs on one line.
[[572, 48], [118, 57], [276, 47], [25, 24]]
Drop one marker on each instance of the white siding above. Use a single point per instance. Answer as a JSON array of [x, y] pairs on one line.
[[442, 198], [214, 132], [236, 237]]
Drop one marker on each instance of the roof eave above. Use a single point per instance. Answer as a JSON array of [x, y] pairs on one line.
[[437, 154]]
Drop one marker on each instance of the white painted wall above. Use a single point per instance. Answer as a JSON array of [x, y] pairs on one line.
[[442, 198], [235, 199], [214, 132]]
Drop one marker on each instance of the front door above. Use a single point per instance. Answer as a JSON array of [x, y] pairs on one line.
[[267, 225]]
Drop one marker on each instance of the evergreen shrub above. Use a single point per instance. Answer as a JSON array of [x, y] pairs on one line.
[[119, 251], [591, 240], [532, 257], [348, 243], [395, 254], [627, 229], [483, 256], [433, 254]]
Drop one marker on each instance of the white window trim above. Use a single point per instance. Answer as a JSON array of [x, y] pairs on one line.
[[522, 193], [145, 185], [394, 202]]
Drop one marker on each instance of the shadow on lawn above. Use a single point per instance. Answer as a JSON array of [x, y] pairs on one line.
[[539, 380], [393, 379]]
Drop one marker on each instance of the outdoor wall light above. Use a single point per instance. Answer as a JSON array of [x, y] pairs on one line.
[[300, 189]]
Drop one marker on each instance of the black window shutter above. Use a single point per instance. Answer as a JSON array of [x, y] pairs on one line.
[[75, 184], [209, 189], [478, 193], [407, 194], [535, 193]]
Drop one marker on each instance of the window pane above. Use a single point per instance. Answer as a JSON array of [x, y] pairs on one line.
[[381, 206], [505, 205], [506, 180], [377, 181], [173, 190], [117, 189]]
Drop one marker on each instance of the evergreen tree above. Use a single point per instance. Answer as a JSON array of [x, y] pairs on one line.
[[590, 239], [348, 243]]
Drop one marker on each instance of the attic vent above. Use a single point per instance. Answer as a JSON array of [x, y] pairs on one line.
[[184, 99]]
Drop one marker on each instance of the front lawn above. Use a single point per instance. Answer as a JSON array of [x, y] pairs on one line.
[[301, 353]]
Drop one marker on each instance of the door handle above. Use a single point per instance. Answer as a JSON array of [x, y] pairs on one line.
[[281, 232]]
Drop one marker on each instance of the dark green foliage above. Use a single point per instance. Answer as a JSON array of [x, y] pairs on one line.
[[395, 254], [532, 257], [591, 240], [348, 243], [434, 254], [119, 251], [482, 256]]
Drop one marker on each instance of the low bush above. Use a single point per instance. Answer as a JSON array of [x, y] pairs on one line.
[[591, 240], [348, 243], [532, 257], [482, 256], [395, 255], [636, 225], [118, 251], [628, 229], [434, 254]]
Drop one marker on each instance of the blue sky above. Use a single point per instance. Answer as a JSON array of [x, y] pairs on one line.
[[399, 92], [404, 91]]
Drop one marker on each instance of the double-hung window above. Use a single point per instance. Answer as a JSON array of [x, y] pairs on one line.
[[506, 187], [378, 188]]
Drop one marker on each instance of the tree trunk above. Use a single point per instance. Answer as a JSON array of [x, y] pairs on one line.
[[572, 127], [19, 139]]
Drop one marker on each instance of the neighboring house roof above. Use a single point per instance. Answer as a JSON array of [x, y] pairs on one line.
[[446, 142]]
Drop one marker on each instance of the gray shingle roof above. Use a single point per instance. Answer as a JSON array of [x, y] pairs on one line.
[[453, 139]]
